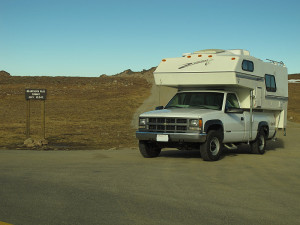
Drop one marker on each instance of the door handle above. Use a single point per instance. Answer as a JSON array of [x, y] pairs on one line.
[[242, 118]]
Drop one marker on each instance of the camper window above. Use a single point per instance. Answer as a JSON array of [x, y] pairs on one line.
[[270, 83], [248, 66]]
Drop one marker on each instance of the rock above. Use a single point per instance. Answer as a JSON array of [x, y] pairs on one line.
[[37, 143], [30, 143], [125, 73], [44, 142]]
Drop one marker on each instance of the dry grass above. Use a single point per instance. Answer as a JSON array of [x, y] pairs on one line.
[[294, 102], [80, 112], [294, 99]]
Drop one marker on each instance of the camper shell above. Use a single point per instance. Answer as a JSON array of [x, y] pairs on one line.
[[233, 70], [224, 98]]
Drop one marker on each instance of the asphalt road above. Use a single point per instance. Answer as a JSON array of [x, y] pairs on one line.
[[121, 187]]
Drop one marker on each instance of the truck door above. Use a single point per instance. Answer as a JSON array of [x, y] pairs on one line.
[[234, 120]]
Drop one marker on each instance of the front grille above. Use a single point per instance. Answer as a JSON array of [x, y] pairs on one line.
[[183, 128], [170, 120], [152, 120], [160, 127], [169, 125], [160, 120], [181, 120]]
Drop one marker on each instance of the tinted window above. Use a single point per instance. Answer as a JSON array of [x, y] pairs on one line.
[[270, 83], [248, 66], [232, 101], [201, 100]]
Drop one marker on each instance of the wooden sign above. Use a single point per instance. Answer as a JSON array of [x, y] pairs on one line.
[[35, 94]]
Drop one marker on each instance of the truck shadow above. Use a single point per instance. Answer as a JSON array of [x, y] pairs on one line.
[[245, 149], [274, 145], [174, 153], [242, 149]]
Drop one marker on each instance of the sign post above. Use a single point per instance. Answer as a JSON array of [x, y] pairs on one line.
[[35, 94], [43, 119], [28, 120]]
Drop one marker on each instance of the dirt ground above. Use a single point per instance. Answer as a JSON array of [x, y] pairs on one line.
[[86, 113]]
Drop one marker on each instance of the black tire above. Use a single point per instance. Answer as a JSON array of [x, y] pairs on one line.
[[149, 150], [258, 146], [211, 149]]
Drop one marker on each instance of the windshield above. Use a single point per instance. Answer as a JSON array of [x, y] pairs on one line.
[[201, 100]]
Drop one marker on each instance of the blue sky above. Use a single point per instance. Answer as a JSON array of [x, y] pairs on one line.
[[90, 38]]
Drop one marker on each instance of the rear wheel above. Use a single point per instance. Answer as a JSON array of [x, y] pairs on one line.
[[258, 146], [211, 150], [149, 150]]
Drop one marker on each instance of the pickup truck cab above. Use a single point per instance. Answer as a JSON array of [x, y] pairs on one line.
[[204, 119]]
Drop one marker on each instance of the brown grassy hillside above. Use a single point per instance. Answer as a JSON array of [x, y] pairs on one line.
[[294, 76], [294, 99], [80, 112]]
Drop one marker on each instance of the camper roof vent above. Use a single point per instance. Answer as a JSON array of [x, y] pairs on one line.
[[186, 54], [223, 52], [239, 52], [209, 51]]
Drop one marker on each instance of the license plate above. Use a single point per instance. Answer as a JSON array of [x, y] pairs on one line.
[[162, 138]]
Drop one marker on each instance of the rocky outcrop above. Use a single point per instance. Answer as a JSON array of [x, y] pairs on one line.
[[4, 74], [147, 74]]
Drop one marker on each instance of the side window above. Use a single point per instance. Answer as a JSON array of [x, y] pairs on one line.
[[248, 66], [270, 83], [232, 101]]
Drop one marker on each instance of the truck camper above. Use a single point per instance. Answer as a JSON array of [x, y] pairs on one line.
[[224, 98]]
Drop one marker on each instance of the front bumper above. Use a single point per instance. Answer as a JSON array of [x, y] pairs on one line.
[[173, 137]]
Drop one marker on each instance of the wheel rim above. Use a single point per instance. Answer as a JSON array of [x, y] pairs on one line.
[[261, 142], [214, 146]]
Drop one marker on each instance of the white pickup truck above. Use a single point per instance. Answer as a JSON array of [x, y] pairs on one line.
[[216, 106], [205, 119]]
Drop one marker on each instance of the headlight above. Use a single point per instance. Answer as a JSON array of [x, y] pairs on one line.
[[195, 124], [142, 121]]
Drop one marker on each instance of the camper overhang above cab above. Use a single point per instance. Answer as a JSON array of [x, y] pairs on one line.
[[214, 68]]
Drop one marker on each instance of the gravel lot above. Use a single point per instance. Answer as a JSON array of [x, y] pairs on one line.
[[121, 187]]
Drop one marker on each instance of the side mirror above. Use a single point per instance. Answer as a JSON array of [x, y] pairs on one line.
[[234, 110], [159, 107]]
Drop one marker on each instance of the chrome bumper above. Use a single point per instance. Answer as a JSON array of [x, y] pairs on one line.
[[173, 137]]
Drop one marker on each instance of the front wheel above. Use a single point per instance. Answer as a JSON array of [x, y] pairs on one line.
[[211, 150], [149, 150]]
